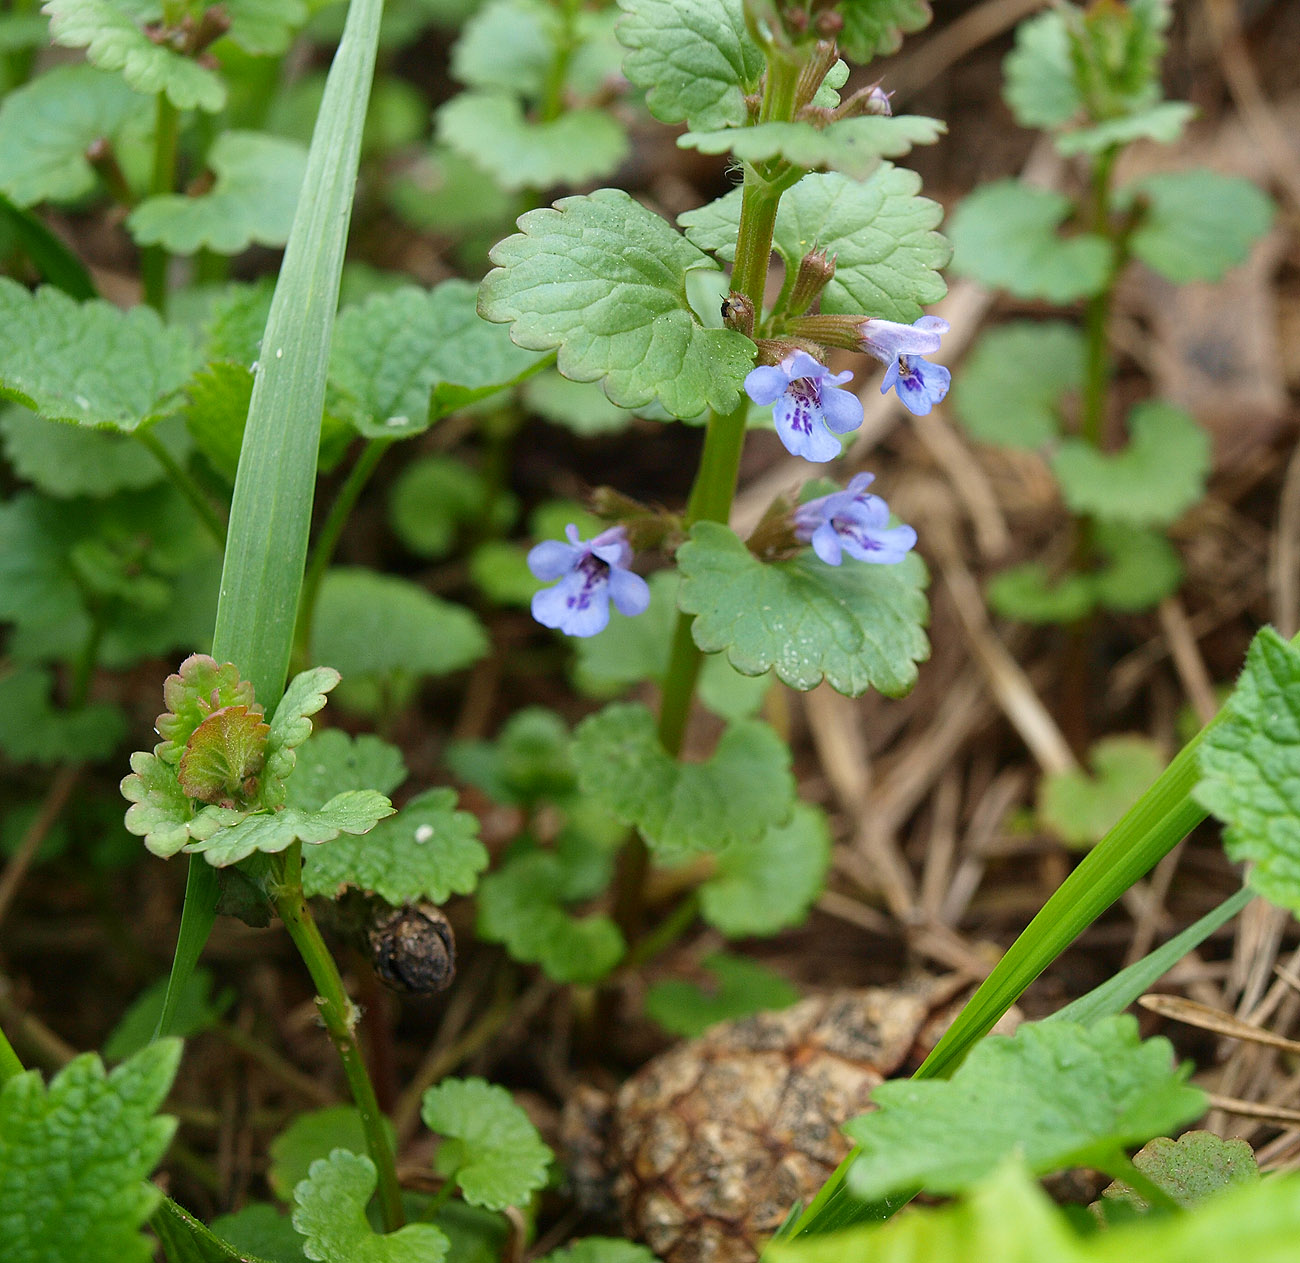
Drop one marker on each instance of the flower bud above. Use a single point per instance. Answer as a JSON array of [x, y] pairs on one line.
[[738, 313], [815, 271]]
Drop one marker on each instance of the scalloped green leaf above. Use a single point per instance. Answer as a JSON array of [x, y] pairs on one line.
[[33, 730], [1151, 482], [70, 460], [1080, 807], [193, 692], [216, 409], [1056, 1095], [436, 497], [491, 130], [264, 27], [875, 28], [291, 725], [1142, 568], [1038, 73], [1163, 122], [352, 811], [619, 310], [509, 46], [489, 1145], [223, 754], [428, 850], [390, 352], [521, 906], [741, 986], [47, 125], [89, 363], [112, 33], [853, 146], [887, 254], [1198, 223], [332, 760], [857, 626], [1029, 593], [371, 624], [733, 798], [251, 201], [160, 812], [75, 1158], [143, 560], [1007, 234], [765, 886], [694, 59], [1011, 386], [529, 762], [331, 1214], [578, 406], [631, 650], [1250, 779], [311, 1136], [1197, 1165]]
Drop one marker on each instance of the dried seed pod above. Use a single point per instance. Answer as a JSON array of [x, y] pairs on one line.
[[413, 949], [713, 1141]]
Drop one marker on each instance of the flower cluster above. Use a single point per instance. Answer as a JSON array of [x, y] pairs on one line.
[[808, 406], [852, 521], [811, 411], [591, 573]]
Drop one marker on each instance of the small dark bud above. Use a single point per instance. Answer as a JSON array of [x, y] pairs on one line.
[[816, 269], [214, 23], [413, 949], [738, 313]]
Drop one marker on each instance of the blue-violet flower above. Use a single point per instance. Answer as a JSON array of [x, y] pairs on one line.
[[852, 521], [591, 574], [919, 383], [810, 409]]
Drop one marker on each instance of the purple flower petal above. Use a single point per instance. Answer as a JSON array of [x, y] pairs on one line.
[[629, 592], [551, 559], [841, 410], [919, 383], [826, 544], [766, 384], [800, 427], [887, 339]]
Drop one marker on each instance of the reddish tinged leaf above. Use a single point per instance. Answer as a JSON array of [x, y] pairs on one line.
[[198, 689], [224, 756]]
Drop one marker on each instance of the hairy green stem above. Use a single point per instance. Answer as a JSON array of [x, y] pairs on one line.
[[154, 259], [714, 487], [181, 480], [328, 539], [339, 1015], [557, 73], [9, 1062], [1097, 363]]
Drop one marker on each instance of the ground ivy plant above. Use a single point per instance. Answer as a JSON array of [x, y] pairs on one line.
[[1090, 78], [166, 456]]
